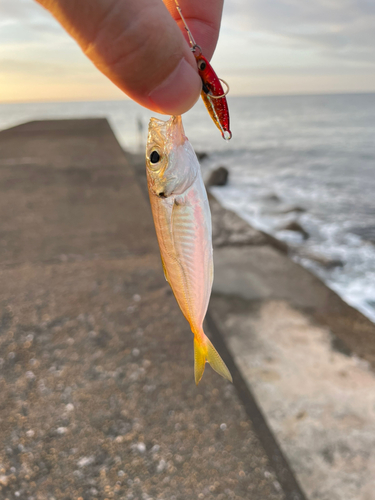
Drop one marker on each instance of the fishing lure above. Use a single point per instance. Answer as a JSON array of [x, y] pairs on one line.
[[213, 94]]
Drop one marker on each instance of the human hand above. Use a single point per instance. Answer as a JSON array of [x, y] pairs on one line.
[[139, 46]]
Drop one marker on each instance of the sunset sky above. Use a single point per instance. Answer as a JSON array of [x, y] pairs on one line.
[[266, 47]]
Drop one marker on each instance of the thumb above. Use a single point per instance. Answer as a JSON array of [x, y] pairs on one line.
[[138, 46]]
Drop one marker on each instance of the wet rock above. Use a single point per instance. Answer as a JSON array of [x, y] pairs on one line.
[[367, 233], [274, 242], [273, 198], [229, 229], [291, 208], [327, 262], [295, 226], [201, 155], [218, 177]]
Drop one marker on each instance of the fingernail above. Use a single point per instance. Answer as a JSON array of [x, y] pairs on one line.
[[179, 91]]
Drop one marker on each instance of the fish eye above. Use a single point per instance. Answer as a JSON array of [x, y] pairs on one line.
[[154, 157], [201, 65]]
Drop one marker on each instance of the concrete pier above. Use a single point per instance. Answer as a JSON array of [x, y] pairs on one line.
[[97, 393], [97, 397], [305, 355]]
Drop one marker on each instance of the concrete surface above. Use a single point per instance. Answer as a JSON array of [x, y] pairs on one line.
[[96, 361], [307, 358], [97, 397], [319, 402]]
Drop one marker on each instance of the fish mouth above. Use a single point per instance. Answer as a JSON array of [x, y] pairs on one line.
[[171, 130], [178, 128]]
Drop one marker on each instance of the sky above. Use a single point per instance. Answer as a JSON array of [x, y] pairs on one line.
[[266, 47]]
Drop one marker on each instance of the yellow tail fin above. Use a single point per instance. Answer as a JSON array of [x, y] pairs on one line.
[[205, 351]]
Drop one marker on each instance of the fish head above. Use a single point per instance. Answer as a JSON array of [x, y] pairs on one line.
[[171, 163]]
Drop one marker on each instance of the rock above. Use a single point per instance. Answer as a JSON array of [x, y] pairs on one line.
[[327, 262], [161, 465], [229, 229], [201, 155], [291, 208], [62, 430], [272, 198], [295, 226], [141, 447], [85, 461], [218, 177], [330, 263], [366, 233], [274, 242], [4, 481]]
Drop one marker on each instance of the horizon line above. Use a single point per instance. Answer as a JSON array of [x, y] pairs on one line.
[[126, 98]]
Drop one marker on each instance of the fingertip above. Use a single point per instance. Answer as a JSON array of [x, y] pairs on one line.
[[178, 92]]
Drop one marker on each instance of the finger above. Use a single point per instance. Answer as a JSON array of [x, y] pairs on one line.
[[203, 19], [137, 45]]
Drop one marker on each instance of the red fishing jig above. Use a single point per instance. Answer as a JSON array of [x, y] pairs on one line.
[[213, 94]]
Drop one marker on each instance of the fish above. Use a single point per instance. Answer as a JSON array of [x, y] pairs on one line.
[[182, 221]]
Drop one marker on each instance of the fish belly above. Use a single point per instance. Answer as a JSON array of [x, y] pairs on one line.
[[183, 228]]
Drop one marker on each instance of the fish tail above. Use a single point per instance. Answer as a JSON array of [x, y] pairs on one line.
[[204, 352]]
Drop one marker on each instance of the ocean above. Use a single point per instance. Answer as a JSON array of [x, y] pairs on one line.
[[295, 162]]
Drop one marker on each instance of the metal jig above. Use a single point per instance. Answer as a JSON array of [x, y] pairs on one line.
[[213, 94]]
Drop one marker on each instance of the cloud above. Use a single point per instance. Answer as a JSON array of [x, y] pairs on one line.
[[25, 20], [266, 46], [25, 11], [336, 28]]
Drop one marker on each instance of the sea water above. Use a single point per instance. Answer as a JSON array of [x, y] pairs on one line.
[[308, 160]]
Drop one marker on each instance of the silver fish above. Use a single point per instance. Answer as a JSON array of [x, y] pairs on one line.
[[183, 227]]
